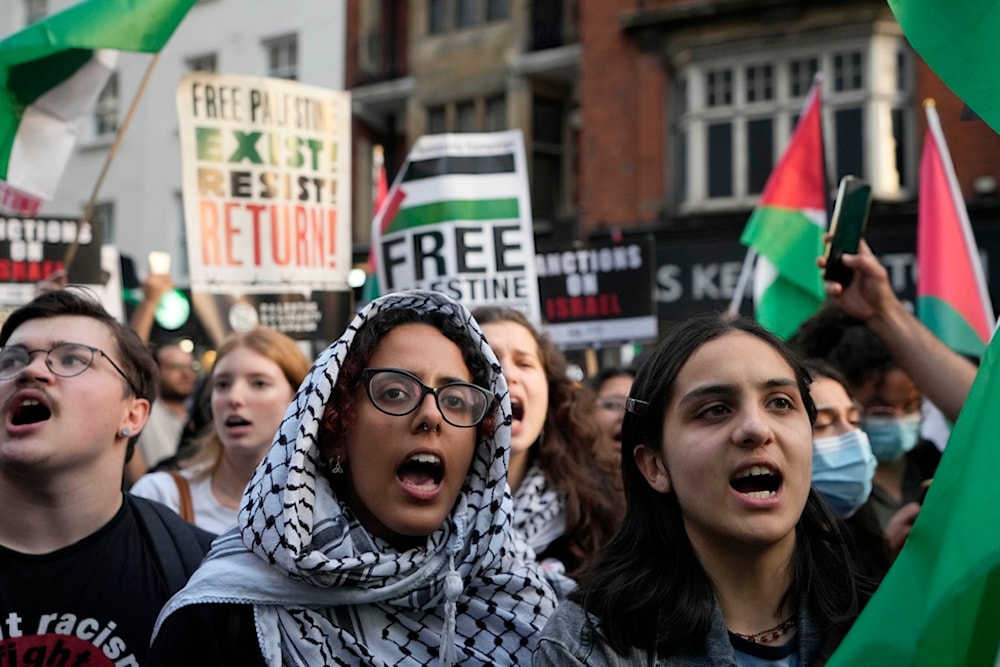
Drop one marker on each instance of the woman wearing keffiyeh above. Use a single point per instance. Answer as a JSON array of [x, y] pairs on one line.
[[377, 529], [566, 484]]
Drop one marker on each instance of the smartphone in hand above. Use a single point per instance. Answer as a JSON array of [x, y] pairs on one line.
[[159, 262], [850, 217]]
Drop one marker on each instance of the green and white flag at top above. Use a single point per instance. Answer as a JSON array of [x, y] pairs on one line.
[[51, 74], [786, 229], [458, 220]]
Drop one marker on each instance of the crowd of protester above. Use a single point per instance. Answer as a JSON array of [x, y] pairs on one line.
[[435, 489]]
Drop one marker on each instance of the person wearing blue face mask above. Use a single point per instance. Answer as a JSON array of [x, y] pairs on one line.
[[843, 465], [892, 435], [887, 358], [843, 462]]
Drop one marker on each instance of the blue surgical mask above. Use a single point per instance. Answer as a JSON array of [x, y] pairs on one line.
[[892, 437], [843, 466]]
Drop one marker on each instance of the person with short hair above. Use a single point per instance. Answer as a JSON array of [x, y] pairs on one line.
[[84, 569]]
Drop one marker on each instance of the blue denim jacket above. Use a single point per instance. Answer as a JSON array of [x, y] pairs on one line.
[[570, 638]]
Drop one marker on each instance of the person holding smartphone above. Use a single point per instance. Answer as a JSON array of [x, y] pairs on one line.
[[889, 359]]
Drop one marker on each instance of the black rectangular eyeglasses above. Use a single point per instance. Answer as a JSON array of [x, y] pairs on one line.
[[397, 392]]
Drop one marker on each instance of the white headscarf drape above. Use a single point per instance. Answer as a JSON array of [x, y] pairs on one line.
[[326, 592]]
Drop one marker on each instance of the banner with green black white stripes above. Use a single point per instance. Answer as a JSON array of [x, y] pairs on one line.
[[457, 220]]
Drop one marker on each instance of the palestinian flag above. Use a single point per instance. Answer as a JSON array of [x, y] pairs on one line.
[[940, 602], [952, 300], [380, 193], [51, 74], [430, 175], [786, 229], [457, 219], [957, 39]]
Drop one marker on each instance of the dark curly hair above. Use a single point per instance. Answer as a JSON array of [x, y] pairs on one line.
[[571, 455], [340, 415], [846, 343]]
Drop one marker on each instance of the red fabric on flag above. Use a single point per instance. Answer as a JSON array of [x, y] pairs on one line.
[[947, 255]]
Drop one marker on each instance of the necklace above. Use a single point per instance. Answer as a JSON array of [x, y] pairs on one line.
[[771, 634]]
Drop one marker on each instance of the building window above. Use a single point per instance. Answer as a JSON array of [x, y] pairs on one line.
[[760, 83], [437, 119], [106, 111], [801, 73], [466, 13], [446, 15], [547, 157], [732, 120], [496, 114], [848, 71], [204, 63], [437, 16], [497, 10], [283, 57], [103, 218], [465, 116], [476, 115], [35, 10], [719, 88]]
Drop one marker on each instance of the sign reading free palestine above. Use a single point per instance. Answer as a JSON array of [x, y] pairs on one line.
[[266, 174]]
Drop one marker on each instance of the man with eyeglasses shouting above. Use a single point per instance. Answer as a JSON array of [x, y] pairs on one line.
[[84, 569]]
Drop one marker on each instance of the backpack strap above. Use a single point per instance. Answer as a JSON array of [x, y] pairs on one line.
[[186, 509], [179, 546]]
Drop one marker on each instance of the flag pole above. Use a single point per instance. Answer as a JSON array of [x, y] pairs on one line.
[[89, 210], [741, 285]]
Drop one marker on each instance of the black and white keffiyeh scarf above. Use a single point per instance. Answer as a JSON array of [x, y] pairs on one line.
[[326, 592], [539, 510]]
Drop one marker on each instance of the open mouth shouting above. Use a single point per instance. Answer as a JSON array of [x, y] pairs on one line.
[[236, 421], [421, 474], [757, 481], [27, 409], [516, 409]]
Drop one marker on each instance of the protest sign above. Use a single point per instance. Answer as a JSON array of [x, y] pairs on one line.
[[458, 220], [32, 249], [266, 178], [598, 293]]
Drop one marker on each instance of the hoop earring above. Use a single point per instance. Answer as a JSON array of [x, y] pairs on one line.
[[335, 467]]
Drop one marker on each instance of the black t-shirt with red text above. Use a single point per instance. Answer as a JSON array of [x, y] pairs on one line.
[[90, 604]]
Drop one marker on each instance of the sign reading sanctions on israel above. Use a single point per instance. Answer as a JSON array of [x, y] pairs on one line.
[[458, 220], [598, 293], [267, 202]]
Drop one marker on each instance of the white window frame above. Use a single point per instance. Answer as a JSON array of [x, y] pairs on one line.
[[104, 215], [35, 10], [879, 95], [198, 63], [282, 55], [107, 111]]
